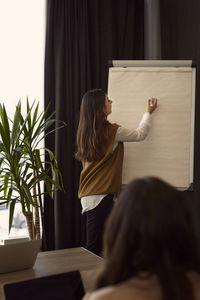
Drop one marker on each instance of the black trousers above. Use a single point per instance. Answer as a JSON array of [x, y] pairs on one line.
[[95, 221]]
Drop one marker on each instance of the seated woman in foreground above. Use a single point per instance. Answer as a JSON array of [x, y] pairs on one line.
[[150, 246]]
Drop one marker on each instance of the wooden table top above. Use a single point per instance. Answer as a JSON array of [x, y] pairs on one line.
[[59, 261]]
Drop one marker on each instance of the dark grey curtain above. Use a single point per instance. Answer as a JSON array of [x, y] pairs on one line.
[[180, 39], [81, 37], [152, 47]]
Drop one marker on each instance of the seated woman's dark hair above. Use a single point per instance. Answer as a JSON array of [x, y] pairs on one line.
[[151, 230]]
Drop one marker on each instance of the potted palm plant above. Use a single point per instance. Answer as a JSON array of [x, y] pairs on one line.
[[27, 171]]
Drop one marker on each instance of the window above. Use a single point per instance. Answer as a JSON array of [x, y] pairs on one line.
[[22, 38]]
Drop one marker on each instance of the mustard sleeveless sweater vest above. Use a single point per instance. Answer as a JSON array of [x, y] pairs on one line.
[[103, 176]]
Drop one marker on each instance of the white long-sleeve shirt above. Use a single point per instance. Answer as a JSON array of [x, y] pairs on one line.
[[122, 135]]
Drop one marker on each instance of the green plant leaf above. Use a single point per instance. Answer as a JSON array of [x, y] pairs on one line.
[[15, 126], [11, 213]]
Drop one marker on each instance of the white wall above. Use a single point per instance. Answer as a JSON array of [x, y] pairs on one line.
[[22, 30]]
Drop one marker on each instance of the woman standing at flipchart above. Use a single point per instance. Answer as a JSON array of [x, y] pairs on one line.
[[100, 149]]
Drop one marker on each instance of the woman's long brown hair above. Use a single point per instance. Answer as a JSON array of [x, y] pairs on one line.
[[93, 128], [151, 229]]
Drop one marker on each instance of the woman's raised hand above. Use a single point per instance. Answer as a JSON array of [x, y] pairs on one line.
[[152, 104]]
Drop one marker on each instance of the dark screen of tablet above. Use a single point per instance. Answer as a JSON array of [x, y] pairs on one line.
[[55, 287]]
